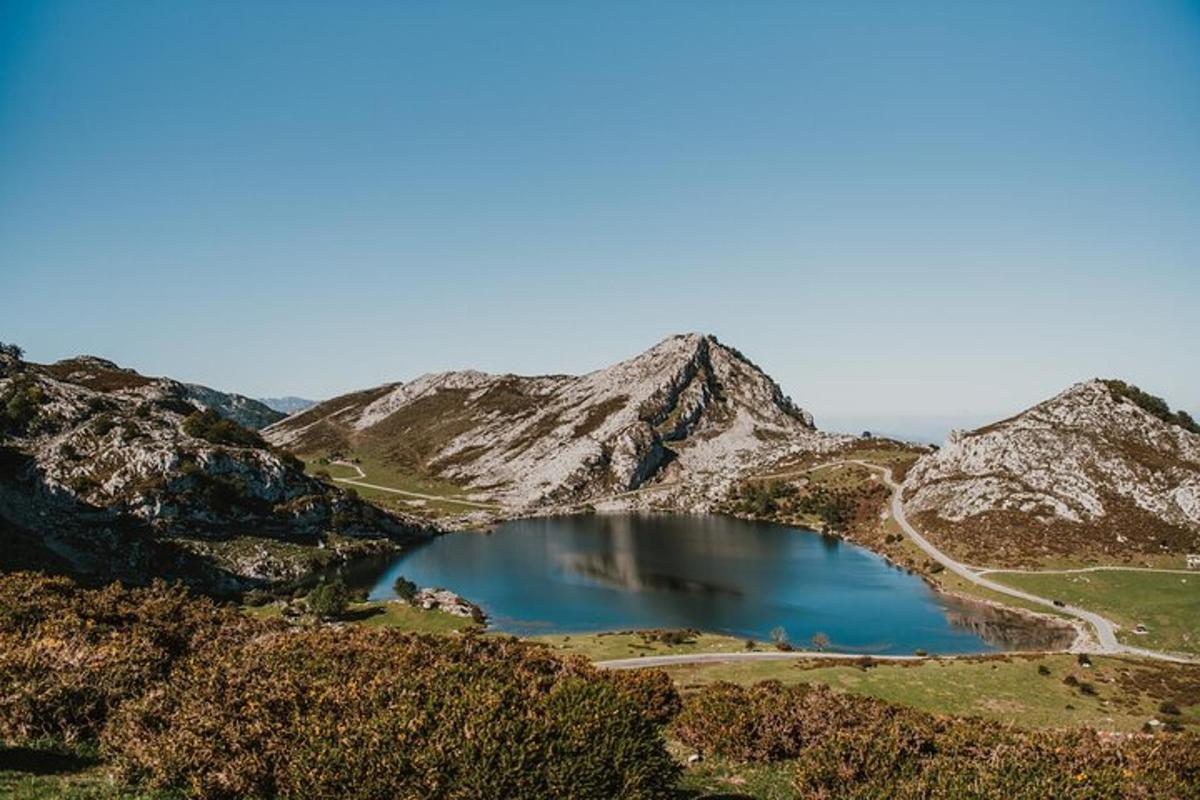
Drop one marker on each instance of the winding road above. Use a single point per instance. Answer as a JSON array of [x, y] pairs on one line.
[[360, 482], [1105, 630]]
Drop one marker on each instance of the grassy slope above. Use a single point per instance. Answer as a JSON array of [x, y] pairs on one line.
[[382, 473], [606, 646], [386, 614], [1011, 690], [1168, 604]]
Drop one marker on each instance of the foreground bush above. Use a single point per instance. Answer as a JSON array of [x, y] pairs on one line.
[[69, 656], [854, 748], [770, 721], [366, 714]]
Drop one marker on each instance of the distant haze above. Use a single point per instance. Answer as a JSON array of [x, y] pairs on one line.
[[898, 210]]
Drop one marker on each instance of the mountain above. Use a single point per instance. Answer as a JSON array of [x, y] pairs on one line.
[[1100, 471], [108, 472], [687, 416], [287, 405], [102, 375]]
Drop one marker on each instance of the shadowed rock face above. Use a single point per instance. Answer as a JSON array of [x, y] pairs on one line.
[[689, 411], [1086, 473]]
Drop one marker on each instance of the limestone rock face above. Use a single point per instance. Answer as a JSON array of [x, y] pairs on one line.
[[688, 416], [1088, 472], [99, 470]]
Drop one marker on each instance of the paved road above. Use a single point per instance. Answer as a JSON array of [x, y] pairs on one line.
[[724, 658], [1105, 630], [1077, 570], [440, 498]]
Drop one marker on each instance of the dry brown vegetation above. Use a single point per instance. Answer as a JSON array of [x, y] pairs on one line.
[[845, 746]]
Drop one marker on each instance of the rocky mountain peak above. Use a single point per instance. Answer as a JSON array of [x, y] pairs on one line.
[[688, 411], [1101, 467]]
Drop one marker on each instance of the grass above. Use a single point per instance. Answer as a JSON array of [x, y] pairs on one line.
[[628, 644], [1007, 689], [1168, 604], [384, 614], [716, 777], [40, 771], [383, 473]]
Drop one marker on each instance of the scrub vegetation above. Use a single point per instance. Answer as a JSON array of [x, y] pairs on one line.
[[157, 693]]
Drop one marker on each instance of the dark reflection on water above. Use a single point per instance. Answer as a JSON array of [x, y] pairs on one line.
[[615, 572]]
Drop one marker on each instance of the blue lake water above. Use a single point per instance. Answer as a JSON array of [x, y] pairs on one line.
[[717, 574]]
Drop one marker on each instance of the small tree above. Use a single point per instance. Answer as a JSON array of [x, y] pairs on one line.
[[780, 637], [329, 599], [820, 640], [404, 588]]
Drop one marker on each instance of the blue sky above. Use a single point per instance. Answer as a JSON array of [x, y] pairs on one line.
[[899, 210]]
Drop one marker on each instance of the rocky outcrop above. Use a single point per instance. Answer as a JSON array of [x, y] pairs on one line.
[[687, 417], [449, 602], [1087, 473], [102, 375], [99, 470]]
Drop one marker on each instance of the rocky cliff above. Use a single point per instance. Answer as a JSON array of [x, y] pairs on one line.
[[684, 418], [1101, 471], [106, 471]]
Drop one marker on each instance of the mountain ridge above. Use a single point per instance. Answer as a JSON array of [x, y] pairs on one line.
[[1094, 470], [684, 410], [111, 473]]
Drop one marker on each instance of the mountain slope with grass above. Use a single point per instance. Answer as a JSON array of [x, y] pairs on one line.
[[108, 473], [1101, 472], [686, 416]]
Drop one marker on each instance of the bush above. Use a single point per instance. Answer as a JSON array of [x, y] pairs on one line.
[[404, 588], [19, 405], [215, 429], [357, 713], [69, 656], [329, 599], [941, 759], [1152, 405], [768, 721], [857, 747], [651, 691]]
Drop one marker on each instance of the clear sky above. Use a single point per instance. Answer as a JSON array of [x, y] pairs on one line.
[[896, 209]]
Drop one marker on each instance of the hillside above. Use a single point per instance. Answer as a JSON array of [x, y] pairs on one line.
[[108, 472], [102, 375], [1100, 472], [685, 417]]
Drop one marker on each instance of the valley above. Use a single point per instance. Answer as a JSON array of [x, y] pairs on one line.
[[673, 512]]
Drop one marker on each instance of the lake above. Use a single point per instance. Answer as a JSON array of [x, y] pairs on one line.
[[577, 574]]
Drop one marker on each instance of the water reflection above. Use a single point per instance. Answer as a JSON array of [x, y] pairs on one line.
[[617, 572]]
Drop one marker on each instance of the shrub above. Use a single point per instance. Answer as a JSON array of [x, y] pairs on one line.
[[1152, 405], [329, 599], [669, 636], [359, 713], [69, 656], [949, 759], [215, 429], [404, 588], [858, 747], [768, 721], [651, 691], [102, 424], [20, 404], [1043, 670]]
